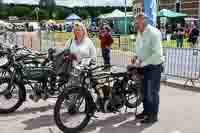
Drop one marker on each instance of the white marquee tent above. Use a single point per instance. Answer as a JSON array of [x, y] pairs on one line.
[[115, 14]]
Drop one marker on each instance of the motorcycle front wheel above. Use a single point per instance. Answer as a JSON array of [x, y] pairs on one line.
[[72, 107]]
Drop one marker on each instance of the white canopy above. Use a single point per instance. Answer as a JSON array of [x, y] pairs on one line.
[[190, 19], [115, 14]]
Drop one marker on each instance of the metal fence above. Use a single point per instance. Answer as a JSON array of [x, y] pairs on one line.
[[183, 63], [179, 62]]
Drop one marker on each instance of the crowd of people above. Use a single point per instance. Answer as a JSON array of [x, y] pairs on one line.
[[180, 32]]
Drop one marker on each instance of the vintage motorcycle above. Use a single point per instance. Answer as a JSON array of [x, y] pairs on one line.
[[42, 77], [106, 92]]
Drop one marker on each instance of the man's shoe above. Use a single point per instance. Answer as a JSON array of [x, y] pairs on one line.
[[150, 119], [141, 116]]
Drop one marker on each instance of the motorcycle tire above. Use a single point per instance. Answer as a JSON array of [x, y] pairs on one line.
[[7, 95], [57, 111]]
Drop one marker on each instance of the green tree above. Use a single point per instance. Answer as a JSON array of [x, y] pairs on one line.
[[62, 12], [43, 14], [3, 14], [83, 13], [48, 4], [21, 11]]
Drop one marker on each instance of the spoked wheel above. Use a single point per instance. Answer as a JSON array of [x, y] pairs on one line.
[[134, 97], [71, 111], [5, 73], [10, 99]]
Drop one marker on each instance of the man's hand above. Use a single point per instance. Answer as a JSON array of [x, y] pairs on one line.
[[138, 63], [135, 61]]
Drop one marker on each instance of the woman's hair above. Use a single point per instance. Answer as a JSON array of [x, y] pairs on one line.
[[82, 27], [107, 28]]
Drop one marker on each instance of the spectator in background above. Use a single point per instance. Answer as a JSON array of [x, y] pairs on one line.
[[193, 35], [168, 32], [93, 27], [105, 36], [31, 28], [179, 36], [163, 32], [60, 28], [26, 26]]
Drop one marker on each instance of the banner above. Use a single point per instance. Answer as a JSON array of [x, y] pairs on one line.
[[150, 10]]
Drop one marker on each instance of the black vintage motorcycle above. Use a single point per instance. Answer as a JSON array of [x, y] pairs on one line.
[[42, 77], [20, 54], [113, 91]]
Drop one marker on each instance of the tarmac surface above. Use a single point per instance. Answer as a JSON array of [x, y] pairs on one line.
[[179, 113]]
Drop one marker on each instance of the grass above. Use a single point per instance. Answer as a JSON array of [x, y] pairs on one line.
[[172, 44], [123, 43]]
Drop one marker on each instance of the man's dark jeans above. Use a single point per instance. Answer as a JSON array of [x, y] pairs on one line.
[[152, 76], [106, 55]]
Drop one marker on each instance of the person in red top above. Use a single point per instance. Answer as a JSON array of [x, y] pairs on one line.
[[105, 36]]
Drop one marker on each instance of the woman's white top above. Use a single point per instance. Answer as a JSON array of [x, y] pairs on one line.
[[85, 49]]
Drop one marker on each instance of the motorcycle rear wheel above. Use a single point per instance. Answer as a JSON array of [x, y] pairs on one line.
[[9, 93]]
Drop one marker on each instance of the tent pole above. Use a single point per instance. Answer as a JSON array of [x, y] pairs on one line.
[[125, 17]]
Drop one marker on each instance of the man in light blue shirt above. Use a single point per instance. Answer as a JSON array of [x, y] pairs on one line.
[[149, 56]]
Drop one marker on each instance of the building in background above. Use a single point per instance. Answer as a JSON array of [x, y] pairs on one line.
[[189, 7], [138, 7]]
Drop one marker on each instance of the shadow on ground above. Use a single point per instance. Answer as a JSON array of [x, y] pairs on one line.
[[29, 110], [106, 125], [117, 124]]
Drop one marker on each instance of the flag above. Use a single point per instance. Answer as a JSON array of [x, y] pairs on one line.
[[150, 10]]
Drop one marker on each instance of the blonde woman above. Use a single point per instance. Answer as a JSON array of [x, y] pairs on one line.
[[81, 45]]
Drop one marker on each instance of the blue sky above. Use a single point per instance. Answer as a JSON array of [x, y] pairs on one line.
[[75, 2]]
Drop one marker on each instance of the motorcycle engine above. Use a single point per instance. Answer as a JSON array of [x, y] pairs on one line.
[[117, 99], [36, 93]]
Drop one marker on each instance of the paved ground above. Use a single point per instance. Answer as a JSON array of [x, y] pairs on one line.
[[179, 114]]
